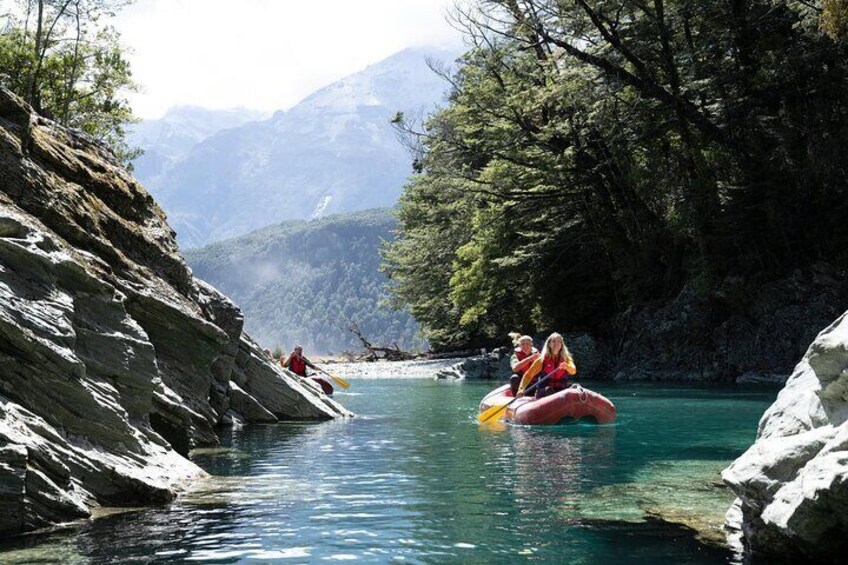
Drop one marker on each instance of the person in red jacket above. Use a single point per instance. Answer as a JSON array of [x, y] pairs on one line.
[[521, 359], [556, 365], [297, 363]]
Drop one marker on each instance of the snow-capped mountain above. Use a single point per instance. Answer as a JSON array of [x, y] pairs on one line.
[[168, 139], [333, 152]]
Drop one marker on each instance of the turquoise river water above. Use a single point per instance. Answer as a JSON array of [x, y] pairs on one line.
[[413, 479]]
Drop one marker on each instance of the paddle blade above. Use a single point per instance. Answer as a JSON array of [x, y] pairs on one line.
[[491, 412], [340, 381]]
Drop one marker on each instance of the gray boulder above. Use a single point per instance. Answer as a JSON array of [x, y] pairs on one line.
[[792, 484], [488, 366], [114, 360]]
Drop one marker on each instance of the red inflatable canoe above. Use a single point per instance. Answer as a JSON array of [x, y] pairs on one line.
[[573, 403], [324, 385]]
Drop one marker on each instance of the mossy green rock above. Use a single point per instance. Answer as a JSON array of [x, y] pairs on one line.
[[684, 493]]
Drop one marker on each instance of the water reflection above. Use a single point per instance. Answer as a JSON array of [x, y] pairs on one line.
[[163, 534], [556, 463], [415, 479]]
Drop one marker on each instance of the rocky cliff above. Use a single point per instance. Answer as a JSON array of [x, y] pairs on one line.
[[792, 484], [114, 360], [745, 331]]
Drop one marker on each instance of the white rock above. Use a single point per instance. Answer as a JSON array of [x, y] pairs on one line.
[[792, 483]]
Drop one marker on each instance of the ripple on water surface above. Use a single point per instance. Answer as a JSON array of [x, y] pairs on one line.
[[414, 479]]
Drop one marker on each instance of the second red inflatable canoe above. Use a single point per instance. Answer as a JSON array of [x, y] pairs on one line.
[[325, 386]]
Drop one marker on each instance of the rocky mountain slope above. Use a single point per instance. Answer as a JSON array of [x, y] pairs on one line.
[[114, 360], [169, 139], [333, 152], [304, 281], [792, 483]]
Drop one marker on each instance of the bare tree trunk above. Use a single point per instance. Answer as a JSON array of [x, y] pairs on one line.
[[33, 81], [42, 42], [375, 353], [72, 76]]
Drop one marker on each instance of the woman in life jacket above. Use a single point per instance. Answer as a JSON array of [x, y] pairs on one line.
[[556, 364], [297, 363], [522, 357]]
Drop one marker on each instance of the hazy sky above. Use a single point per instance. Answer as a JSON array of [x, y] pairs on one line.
[[265, 54]]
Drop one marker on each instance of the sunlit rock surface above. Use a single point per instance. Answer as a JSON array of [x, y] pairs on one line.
[[113, 358], [792, 483]]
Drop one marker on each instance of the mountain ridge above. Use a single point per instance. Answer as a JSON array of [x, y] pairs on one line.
[[334, 151], [168, 139], [303, 281]]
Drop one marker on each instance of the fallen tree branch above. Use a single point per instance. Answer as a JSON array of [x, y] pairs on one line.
[[377, 353]]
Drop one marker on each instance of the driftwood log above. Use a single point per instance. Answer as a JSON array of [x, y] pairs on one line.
[[376, 353]]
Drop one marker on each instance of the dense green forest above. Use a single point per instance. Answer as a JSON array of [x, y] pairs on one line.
[[600, 156], [304, 281]]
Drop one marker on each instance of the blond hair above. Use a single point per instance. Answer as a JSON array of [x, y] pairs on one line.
[[564, 354], [517, 338]]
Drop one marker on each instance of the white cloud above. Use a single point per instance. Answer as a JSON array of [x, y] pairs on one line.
[[265, 54]]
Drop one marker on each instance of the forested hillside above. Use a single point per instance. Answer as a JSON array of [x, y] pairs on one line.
[[597, 157], [302, 281]]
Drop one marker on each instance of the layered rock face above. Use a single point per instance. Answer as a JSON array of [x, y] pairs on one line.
[[792, 483], [741, 331], [114, 360]]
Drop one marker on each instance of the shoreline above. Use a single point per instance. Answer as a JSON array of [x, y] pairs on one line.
[[415, 369], [466, 368]]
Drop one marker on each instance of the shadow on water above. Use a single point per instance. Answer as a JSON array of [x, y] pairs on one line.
[[195, 527], [145, 536], [635, 543], [708, 452], [244, 452]]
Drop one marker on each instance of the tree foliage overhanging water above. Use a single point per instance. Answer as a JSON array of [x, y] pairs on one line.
[[598, 155]]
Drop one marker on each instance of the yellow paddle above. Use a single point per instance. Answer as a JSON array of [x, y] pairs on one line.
[[531, 372], [490, 413], [338, 380]]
